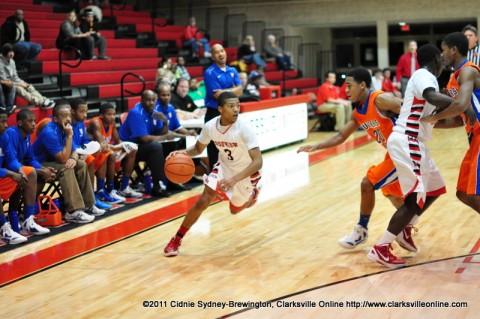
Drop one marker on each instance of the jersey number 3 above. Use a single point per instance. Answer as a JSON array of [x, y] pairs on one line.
[[229, 154]]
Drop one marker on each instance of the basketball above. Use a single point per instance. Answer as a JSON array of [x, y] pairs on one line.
[[179, 169]]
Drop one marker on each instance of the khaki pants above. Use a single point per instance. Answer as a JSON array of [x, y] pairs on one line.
[[30, 94], [76, 186], [342, 113]]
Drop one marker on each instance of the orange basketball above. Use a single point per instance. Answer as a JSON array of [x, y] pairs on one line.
[[179, 169]]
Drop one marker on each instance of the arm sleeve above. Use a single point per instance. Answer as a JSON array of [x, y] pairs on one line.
[[204, 136], [136, 125]]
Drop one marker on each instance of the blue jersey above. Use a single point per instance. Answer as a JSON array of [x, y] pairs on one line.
[[216, 78], [51, 141], [79, 134], [8, 162], [170, 113], [139, 123], [21, 147]]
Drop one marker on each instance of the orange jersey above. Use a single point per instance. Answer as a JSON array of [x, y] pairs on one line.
[[107, 134], [453, 87], [378, 126]]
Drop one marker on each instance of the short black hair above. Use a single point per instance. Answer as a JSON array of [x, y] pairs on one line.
[[6, 48], [427, 53], [24, 114], [63, 103], [457, 39], [328, 72], [105, 107], [3, 111], [360, 75], [225, 96], [162, 83], [76, 102], [470, 27]]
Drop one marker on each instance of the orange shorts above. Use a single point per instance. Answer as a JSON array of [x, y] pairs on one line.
[[469, 169], [384, 176], [97, 159], [8, 186]]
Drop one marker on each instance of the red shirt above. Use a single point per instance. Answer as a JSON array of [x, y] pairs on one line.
[[404, 66], [387, 86], [327, 91], [190, 32]]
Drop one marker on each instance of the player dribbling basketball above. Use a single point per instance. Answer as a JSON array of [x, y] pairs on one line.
[[235, 176]]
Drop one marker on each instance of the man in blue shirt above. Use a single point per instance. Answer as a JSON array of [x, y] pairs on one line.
[[19, 139], [218, 78], [145, 128], [54, 147]]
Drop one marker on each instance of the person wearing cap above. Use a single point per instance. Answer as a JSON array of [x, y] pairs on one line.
[[15, 31], [88, 24], [254, 83], [471, 33]]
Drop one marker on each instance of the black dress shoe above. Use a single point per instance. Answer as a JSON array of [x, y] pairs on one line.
[[159, 193], [177, 187]]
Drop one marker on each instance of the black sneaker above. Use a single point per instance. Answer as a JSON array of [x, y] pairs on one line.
[[10, 109], [160, 193]]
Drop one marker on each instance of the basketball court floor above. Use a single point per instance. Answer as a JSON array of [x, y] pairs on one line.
[[278, 259]]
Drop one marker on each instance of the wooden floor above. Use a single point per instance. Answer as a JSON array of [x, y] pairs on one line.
[[280, 255]]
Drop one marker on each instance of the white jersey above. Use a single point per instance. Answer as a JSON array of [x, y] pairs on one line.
[[415, 106], [233, 142]]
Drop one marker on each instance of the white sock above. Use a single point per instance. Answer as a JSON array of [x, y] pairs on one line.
[[387, 238]]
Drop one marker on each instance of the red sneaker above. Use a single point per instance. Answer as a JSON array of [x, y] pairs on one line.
[[171, 249], [255, 193], [405, 239], [382, 255]]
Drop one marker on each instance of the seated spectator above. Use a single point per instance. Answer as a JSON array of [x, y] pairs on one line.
[[164, 72], [246, 95], [103, 130], [388, 85], [272, 50], [54, 148], [377, 79], [145, 129], [248, 53], [16, 178], [183, 103], [197, 91], [195, 39], [254, 83], [96, 163], [328, 101], [71, 35], [181, 70], [8, 71], [89, 25], [16, 32], [7, 95], [95, 9]]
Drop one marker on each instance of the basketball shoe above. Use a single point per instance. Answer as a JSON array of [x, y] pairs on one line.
[[358, 236], [382, 255], [405, 239], [10, 236], [255, 193], [171, 249], [30, 227]]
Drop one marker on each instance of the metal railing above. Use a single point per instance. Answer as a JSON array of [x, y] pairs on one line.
[[61, 63], [122, 90]]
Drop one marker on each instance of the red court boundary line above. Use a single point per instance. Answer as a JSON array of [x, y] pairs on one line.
[[27, 265], [468, 260]]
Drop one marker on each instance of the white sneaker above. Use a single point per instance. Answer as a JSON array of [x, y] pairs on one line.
[[114, 194], [11, 237], [358, 236], [128, 192], [30, 227], [79, 217], [48, 104], [95, 211]]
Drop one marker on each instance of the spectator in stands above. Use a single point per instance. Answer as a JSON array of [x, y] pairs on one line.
[[407, 64], [248, 53], [96, 163], [14, 176], [164, 72], [471, 33], [328, 101], [194, 39], [183, 103], [181, 70], [246, 95], [103, 130], [388, 85], [197, 91], [254, 83], [218, 78], [19, 139], [16, 32], [7, 95], [89, 25], [144, 128], [377, 79], [71, 35], [54, 148], [272, 50], [8, 71]]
